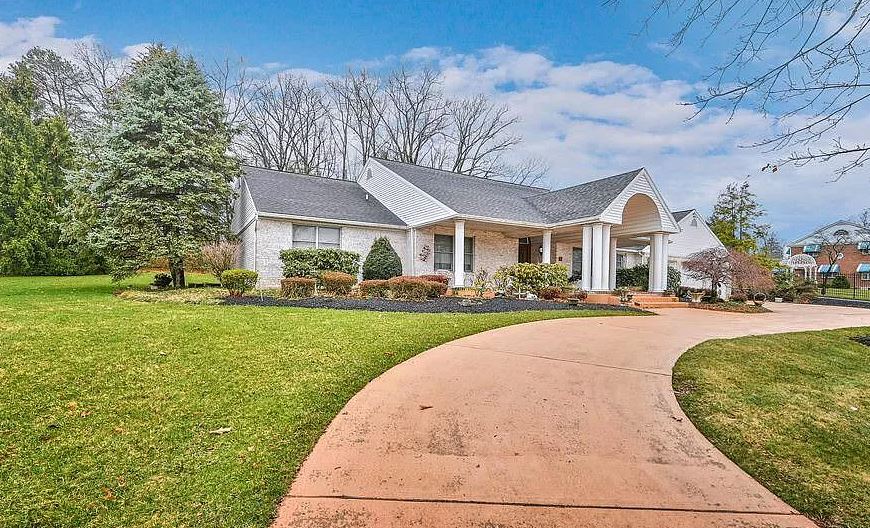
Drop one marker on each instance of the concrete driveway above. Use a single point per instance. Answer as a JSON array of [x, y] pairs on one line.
[[568, 422]]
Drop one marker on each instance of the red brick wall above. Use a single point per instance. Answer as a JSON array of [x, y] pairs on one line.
[[848, 264]]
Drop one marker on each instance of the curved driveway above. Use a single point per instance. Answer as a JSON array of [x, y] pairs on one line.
[[569, 422]]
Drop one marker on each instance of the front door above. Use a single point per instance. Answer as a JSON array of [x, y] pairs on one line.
[[576, 263], [524, 254]]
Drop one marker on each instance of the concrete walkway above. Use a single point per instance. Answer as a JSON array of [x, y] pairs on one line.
[[568, 422]]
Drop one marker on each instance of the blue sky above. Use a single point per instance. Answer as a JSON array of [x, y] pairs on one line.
[[594, 96]]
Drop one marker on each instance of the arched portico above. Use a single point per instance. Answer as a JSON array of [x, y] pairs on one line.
[[805, 263], [638, 218]]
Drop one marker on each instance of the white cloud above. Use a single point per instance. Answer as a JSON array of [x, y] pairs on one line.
[[135, 50], [594, 119], [19, 36]]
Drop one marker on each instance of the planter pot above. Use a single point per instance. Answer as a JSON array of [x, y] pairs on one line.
[[777, 299], [696, 297]]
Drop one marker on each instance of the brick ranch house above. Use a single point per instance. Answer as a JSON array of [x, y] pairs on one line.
[[808, 258], [456, 224]]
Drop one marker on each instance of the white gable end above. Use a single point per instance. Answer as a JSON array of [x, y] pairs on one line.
[[642, 184], [409, 203]]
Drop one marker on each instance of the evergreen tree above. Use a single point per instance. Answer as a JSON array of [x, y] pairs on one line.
[[160, 186], [34, 154], [735, 218], [382, 262]]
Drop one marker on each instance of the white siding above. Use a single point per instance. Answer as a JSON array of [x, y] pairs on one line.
[[244, 210], [642, 184], [691, 239], [410, 204], [248, 247]]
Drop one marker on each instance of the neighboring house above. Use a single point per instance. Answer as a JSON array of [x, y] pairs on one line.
[[443, 222], [808, 256], [695, 235]]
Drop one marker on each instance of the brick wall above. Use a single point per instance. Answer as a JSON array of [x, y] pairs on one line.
[[848, 264], [492, 249]]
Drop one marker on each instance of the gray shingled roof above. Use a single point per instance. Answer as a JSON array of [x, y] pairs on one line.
[[679, 215], [313, 196], [584, 200], [472, 195]]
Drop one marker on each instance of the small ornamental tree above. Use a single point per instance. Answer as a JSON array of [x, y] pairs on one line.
[[159, 186], [709, 265], [382, 262], [220, 257], [748, 275]]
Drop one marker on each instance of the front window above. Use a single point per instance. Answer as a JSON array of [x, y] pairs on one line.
[[307, 236], [444, 253], [812, 248], [864, 247]]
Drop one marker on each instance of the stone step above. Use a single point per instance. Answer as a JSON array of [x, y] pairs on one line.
[[647, 305]]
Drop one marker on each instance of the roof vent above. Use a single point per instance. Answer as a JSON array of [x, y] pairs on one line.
[[367, 196], [368, 173]]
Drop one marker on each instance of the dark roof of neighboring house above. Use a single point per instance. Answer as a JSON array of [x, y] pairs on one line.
[[584, 200], [476, 196], [679, 215], [314, 196], [472, 195]]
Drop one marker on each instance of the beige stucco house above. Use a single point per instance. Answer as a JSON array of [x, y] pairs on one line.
[[439, 221]]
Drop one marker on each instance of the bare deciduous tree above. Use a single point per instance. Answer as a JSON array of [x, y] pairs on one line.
[[480, 133], [803, 62], [832, 247], [415, 115], [359, 98], [287, 126], [709, 266]]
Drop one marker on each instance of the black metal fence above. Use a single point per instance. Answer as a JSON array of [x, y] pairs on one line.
[[845, 286]]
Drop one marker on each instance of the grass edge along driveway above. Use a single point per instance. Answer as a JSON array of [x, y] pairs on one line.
[[792, 410], [119, 413]]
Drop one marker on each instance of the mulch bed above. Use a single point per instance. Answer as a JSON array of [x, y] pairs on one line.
[[440, 305], [863, 339], [848, 303], [731, 307]]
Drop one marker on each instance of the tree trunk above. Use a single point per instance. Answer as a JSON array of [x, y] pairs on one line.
[[176, 269]]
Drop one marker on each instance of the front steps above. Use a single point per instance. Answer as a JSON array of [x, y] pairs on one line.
[[640, 300]]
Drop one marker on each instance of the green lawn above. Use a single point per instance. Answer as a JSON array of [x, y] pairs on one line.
[[793, 410], [106, 405], [844, 293]]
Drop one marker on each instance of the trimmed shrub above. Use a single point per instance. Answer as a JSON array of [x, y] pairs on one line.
[[297, 287], [550, 293], [238, 281], [310, 262], [839, 282], [409, 288], [382, 262], [373, 288], [525, 277], [162, 280], [436, 289], [337, 283], [638, 277], [443, 279]]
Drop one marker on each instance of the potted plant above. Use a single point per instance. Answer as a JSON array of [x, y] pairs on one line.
[[697, 296], [625, 295]]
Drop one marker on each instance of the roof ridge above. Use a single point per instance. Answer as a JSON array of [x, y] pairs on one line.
[[635, 171], [462, 174], [298, 174]]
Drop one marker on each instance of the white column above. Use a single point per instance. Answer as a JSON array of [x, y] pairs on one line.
[[545, 246], [612, 263], [605, 257], [587, 258], [596, 257], [663, 269], [459, 253], [655, 262]]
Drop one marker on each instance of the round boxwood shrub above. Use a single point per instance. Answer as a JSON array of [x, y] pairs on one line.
[[238, 281], [297, 287], [162, 280], [436, 288], [337, 283], [382, 262]]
